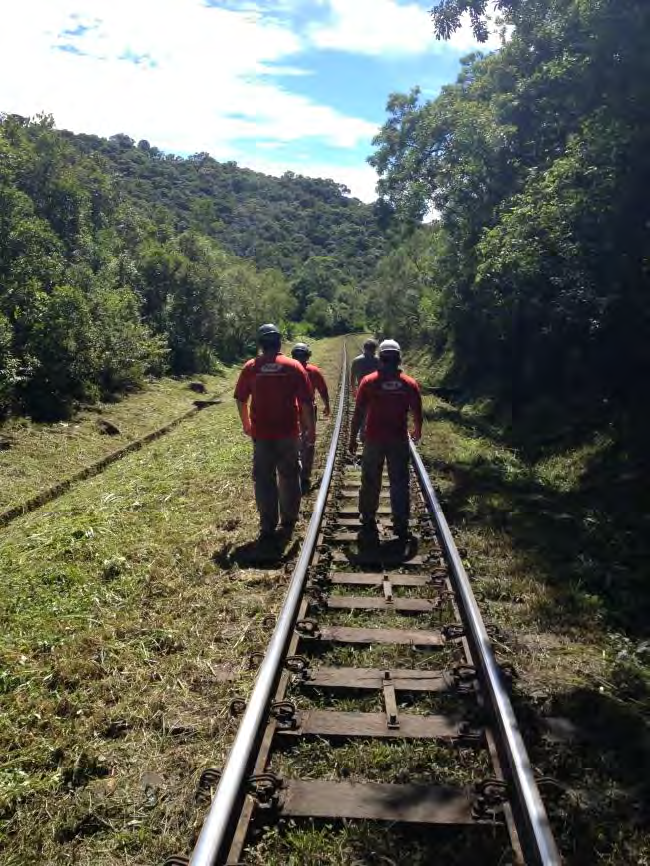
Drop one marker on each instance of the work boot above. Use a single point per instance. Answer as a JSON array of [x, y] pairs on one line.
[[305, 486]]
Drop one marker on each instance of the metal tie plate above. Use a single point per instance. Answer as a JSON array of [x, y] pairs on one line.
[[390, 703]]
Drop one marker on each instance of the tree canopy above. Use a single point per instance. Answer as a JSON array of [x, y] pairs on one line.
[[117, 260], [535, 277]]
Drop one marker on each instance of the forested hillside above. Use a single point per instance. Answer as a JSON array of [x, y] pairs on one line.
[[117, 260], [277, 222], [533, 286]]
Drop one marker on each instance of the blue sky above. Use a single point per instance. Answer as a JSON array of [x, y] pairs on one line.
[[276, 85]]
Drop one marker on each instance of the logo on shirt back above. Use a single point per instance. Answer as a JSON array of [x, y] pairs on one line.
[[392, 385], [271, 367]]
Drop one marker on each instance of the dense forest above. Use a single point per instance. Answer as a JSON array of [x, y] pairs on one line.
[[117, 260], [276, 222], [532, 287]]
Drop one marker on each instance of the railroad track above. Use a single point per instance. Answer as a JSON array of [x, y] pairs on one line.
[[379, 644]]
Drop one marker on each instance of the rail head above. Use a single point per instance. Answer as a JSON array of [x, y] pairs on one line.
[[216, 835], [532, 822]]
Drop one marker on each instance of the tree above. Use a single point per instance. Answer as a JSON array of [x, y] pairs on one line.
[[535, 160]]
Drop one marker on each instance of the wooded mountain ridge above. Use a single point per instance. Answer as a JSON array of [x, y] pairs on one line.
[[279, 222], [117, 260]]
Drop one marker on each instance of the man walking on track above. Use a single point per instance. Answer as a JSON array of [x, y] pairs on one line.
[[363, 364], [302, 353], [386, 397], [281, 408]]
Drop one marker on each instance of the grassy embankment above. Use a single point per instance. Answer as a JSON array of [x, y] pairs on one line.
[[556, 539], [125, 629], [38, 456]]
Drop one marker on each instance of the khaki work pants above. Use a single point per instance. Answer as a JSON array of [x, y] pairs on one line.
[[276, 475], [397, 456]]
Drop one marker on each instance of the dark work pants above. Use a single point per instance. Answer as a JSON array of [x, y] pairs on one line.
[[396, 455], [276, 474]]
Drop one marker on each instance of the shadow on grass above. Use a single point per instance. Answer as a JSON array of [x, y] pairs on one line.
[[596, 750], [371, 843], [591, 545], [268, 553]]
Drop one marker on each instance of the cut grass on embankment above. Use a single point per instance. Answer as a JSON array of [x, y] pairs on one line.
[[38, 456], [126, 627], [558, 549]]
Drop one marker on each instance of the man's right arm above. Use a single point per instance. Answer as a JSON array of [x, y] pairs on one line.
[[242, 393], [244, 416], [305, 398], [416, 410], [307, 422], [356, 420]]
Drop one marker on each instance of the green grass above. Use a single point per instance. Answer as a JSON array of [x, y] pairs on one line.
[[365, 843], [399, 762], [123, 641], [556, 541], [41, 455]]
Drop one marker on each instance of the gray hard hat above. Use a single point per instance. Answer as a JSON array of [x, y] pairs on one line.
[[267, 331], [388, 347], [300, 349]]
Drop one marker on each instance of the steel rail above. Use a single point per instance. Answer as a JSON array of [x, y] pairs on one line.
[[536, 839], [216, 835]]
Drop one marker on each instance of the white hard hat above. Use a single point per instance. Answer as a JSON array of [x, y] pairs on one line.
[[388, 346]]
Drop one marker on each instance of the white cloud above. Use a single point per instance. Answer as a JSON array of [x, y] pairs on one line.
[[204, 80], [360, 180], [388, 27]]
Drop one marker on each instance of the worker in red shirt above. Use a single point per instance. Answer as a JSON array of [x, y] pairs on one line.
[[386, 397], [302, 353], [281, 407]]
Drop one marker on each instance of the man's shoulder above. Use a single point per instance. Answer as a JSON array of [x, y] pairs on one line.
[[274, 363], [358, 358], [249, 367], [290, 366], [409, 381], [295, 365]]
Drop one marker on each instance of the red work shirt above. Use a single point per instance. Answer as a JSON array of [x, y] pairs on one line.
[[317, 381], [386, 399], [276, 385]]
